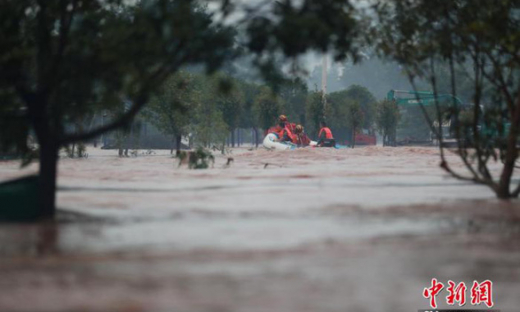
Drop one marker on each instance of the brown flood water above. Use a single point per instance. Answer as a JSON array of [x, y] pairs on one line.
[[315, 230]]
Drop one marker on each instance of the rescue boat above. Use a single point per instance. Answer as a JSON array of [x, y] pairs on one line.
[[272, 142]]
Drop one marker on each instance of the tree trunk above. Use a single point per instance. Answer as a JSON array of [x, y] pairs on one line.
[[178, 140], [172, 146], [255, 129], [353, 137], [47, 179], [503, 191], [233, 138], [127, 143]]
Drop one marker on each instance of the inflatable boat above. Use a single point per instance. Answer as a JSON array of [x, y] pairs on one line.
[[271, 142]]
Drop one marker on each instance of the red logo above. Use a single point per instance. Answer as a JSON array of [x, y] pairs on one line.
[[432, 292], [480, 293], [457, 293]]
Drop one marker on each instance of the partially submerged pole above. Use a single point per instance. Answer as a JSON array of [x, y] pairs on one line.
[[324, 76], [324, 83]]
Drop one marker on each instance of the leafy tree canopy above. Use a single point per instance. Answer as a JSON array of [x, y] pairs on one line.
[[363, 97]]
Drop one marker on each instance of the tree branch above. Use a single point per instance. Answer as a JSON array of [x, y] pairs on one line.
[[120, 122], [444, 164], [65, 22], [43, 48], [479, 68], [502, 84], [154, 79]]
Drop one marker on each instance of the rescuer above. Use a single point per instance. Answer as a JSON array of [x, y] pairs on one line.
[[325, 138], [285, 130], [300, 138]]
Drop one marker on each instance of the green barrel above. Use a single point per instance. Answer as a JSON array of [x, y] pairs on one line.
[[18, 199]]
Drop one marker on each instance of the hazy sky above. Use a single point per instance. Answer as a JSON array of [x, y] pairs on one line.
[[309, 60]]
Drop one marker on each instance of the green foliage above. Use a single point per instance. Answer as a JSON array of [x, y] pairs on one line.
[[342, 110], [248, 117], [229, 100], [291, 28], [294, 29], [208, 125], [315, 111], [440, 41], [355, 115], [355, 119], [208, 107], [101, 52], [211, 128], [172, 107], [337, 116], [387, 118], [293, 92], [363, 97], [267, 107], [14, 134], [66, 59], [198, 159]]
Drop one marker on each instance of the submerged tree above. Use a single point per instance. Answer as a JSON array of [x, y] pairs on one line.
[[355, 118], [294, 94], [316, 111], [208, 125], [267, 108], [340, 103], [387, 117], [173, 106], [481, 39], [366, 101], [248, 118], [58, 57], [229, 100]]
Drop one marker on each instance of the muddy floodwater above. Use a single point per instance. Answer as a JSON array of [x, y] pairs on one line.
[[305, 230]]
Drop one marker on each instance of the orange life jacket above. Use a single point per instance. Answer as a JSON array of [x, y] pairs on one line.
[[328, 133], [275, 129], [287, 130], [295, 139]]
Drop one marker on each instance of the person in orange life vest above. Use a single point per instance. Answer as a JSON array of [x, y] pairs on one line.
[[325, 137], [282, 122], [289, 125], [283, 130], [273, 129], [285, 134], [300, 138]]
